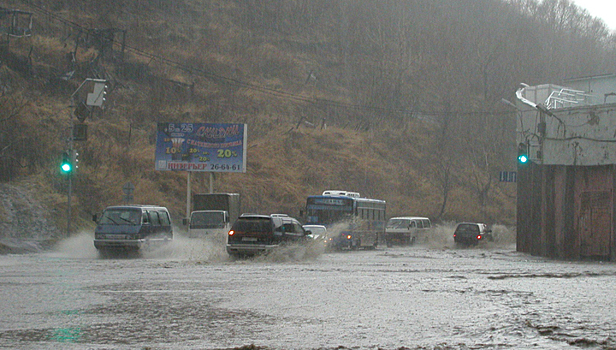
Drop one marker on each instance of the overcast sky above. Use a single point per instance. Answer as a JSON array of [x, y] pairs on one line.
[[604, 9]]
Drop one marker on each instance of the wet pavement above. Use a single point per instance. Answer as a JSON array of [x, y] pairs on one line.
[[192, 296]]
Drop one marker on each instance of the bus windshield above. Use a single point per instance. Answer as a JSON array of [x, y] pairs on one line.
[[328, 210]]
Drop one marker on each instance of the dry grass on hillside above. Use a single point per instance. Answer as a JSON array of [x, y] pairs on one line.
[[284, 164]]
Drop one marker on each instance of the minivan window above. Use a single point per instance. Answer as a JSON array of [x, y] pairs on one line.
[[154, 218], [121, 216], [164, 218], [398, 223]]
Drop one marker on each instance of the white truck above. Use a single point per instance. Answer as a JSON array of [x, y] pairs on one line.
[[213, 214]]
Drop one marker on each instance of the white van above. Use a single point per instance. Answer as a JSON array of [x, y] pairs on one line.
[[407, 230]]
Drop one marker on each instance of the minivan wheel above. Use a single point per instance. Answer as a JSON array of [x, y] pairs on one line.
[[103, 253]]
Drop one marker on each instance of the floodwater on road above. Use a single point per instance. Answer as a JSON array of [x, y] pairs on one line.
[[192, 296]]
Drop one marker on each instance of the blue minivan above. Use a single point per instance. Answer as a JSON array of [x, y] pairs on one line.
[[132, 228]]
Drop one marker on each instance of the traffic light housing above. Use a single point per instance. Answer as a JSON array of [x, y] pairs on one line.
[[523, 156], [98, 94], [66, 166]]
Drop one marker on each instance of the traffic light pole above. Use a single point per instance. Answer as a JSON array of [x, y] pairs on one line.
[[70, 179], [70, 194], [92, 95]]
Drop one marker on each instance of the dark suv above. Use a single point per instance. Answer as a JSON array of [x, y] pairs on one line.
[[253, 234], [472, 233]]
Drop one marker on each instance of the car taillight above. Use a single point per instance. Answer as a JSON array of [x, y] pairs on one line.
[[478, 237], [454, 235], [231, 233]]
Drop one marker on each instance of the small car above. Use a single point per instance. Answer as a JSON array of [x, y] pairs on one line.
[[316, 232], [471, 233], [254, 234]]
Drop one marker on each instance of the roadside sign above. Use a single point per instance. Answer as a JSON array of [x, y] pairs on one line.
[[217, 147], [128, 188]]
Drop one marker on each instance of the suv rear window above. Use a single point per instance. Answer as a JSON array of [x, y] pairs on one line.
[[468, 228], [253, 225]]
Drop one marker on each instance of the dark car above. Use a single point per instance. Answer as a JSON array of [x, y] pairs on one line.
[[254, 234], [132, 228], [471, 233]]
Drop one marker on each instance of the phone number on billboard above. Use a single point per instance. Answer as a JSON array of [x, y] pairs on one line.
[[234, 167]]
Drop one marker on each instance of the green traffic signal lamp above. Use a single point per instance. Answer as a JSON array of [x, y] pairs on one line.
[[66, 166], [523, 153], [523, 158]]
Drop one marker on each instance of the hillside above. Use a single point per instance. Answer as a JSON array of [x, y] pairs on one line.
[[398, 102]]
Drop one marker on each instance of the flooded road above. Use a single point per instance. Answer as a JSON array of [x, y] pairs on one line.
[[191, 296]]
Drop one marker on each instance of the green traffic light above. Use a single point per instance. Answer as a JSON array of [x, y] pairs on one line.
[[523, 158], [66, 165]]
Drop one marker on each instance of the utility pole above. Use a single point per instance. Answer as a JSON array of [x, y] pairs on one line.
[[70, 179]]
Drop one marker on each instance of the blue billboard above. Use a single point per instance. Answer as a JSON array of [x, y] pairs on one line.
[[201, 147]]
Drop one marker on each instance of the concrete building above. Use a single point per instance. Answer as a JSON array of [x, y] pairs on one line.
[[566, 205]]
